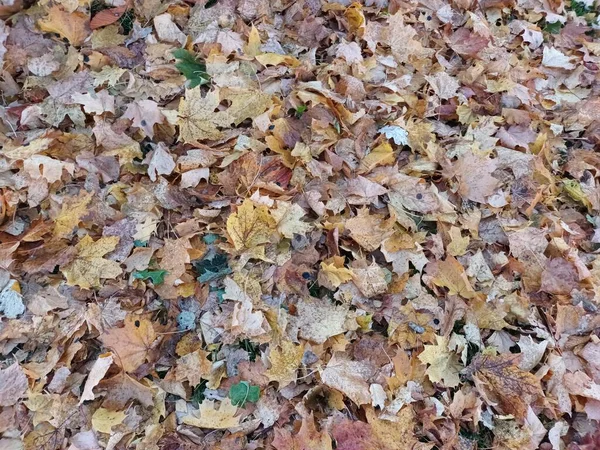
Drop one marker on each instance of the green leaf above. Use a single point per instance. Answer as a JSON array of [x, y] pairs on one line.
[[553, 27], [157, 276], [214, 265], [191, 68], [243, 392]]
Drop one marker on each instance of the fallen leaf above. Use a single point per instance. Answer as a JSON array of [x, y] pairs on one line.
[[96, 375], [13, 385], [210, 417], [443, 364], [89, 266], [250, 226], [130, 344], [285, 361], [73, 26]]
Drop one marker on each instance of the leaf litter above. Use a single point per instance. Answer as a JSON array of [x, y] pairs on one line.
[[253, 224]]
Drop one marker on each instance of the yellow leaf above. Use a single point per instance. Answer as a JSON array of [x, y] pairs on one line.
[[245, 104], [450, 274], [193, 367], [74, 26], [198, 119], [333, 272], [444, 366], [104, 419], [250, 226], [367, 230], [88, 266], [253, 47], [285, 360], [274, 59], [131, 343], [216, 419], [458, 245], [288, 217], [70, 215], [196, 116], [381, 155], [356, 18]]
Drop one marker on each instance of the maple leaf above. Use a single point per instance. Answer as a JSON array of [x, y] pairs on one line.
[[132, 343], [503, 382], [285, 360], [191, 68], [89, 266], [193, 367], [208, 416], [250, 226], [307, 438], [368, 230], [197, 116], [450, 274], [333, 273], [73, 26], [144, 114], [349, 377], [103, 420], [71, 213], [443, 364], [287, 216]]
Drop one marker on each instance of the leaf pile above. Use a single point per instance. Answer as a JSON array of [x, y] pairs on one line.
[[256, 224]]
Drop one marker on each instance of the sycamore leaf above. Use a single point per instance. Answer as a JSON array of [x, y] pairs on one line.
[[89, 266], [250, 226], [444, 365], [131, 344], [210, 417], [243, 392]]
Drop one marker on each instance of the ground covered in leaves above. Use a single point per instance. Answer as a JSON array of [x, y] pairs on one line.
[[299, 225]]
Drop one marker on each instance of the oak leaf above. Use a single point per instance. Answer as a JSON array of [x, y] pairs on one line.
[[89, 266], [132, 343]]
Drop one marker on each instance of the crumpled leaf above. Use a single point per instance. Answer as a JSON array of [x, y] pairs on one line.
[[502, 382]]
